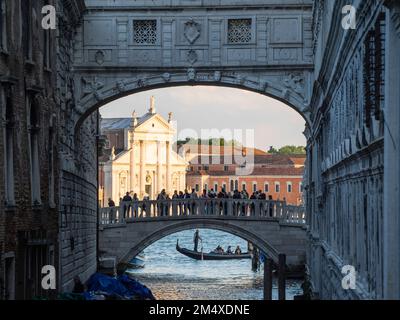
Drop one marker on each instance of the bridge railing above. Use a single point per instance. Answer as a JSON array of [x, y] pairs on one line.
[[202, 207]]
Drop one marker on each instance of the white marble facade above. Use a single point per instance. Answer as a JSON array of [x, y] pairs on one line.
[[148, 163]]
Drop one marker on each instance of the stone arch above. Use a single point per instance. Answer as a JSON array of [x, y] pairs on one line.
[[102, 91], [148, 240]]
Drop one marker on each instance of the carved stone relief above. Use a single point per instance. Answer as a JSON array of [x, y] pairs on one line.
[[192, 31]]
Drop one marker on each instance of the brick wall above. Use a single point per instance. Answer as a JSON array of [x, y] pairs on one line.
[[78, 156]]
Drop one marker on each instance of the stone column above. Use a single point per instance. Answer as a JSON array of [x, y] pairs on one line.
[[142, 168], [168, 171], [132, 165], [159, 173], [391, 219], [115, 186]]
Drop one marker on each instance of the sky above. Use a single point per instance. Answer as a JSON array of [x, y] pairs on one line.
[[200, 108]]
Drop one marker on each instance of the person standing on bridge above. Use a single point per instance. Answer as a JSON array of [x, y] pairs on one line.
[[196, 239], [127, 204], [111, 204]]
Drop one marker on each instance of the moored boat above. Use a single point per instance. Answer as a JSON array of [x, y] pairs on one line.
[[137, 262], [212, 255]]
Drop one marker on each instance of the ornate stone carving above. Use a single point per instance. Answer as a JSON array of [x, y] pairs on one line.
[[121, 86], [141, 83], [263, 85], [192, 31], [295, 82], [192, 56], [217, 76], [191, 74], [285, 94], [99, 57], [166, 76], [240, 79], [90, 85]]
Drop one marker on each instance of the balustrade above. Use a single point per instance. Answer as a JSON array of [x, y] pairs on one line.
[[153, 209]]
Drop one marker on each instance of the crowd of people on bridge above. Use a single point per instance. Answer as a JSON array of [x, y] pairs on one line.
[[131, 203]]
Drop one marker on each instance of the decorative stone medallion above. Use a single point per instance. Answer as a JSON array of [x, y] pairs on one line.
[[192, 31], [166, 76], [192, 56], [217, 76], [191, 74], [99, 57]]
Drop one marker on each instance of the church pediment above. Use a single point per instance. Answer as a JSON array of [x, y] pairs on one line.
[[155, 124]]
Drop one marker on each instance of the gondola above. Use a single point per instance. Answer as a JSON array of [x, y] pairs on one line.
[[137, 262], [211, 256]]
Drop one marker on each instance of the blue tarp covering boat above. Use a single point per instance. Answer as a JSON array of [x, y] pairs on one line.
[[122, 287]]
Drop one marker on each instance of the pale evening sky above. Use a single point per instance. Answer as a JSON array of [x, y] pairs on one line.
[[201, 107]]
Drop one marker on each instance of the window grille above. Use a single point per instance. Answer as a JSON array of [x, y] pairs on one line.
[[239, 30], [145, 31]]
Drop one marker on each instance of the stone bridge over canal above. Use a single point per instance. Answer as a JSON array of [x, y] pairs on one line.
[[272, 226]]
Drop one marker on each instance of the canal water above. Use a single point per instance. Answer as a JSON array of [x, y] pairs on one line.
[[173, 276]]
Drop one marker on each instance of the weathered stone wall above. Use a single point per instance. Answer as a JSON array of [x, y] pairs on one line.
[[346, 152], [26, 79], [78, 155]]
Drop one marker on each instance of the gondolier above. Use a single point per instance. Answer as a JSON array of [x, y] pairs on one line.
[[196, 239]]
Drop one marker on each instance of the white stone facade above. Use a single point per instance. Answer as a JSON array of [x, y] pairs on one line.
[[148, 165]]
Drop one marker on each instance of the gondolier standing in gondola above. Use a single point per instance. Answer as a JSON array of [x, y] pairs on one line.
[[196, 239]]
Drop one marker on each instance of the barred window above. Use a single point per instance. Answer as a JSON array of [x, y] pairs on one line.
[[374, 69], [145, 31], [239, 30]]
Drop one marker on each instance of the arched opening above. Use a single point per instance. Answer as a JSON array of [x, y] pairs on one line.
[[172, 275], [147, 152], [222, 226]]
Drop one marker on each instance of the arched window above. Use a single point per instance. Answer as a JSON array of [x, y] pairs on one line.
[[289, 187], [266, 187], [236, 185], [232, 185], [277, 187]]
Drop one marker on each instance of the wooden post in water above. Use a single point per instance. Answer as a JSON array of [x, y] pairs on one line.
[[282, 277], [268, 279]]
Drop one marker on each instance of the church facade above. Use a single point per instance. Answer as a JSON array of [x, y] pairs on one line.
[[139, 157]]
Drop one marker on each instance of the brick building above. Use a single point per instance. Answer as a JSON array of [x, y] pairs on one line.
[[29, 150], [279, 176]]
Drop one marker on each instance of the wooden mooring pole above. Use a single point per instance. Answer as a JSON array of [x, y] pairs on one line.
[[282, 277], [268, 279]]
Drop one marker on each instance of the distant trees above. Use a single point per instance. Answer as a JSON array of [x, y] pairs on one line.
[[211, 142], [288, 150]]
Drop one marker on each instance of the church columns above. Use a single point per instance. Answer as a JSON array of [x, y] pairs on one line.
[[142, 168], [132, 166], [159, 174], [168, 173]]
